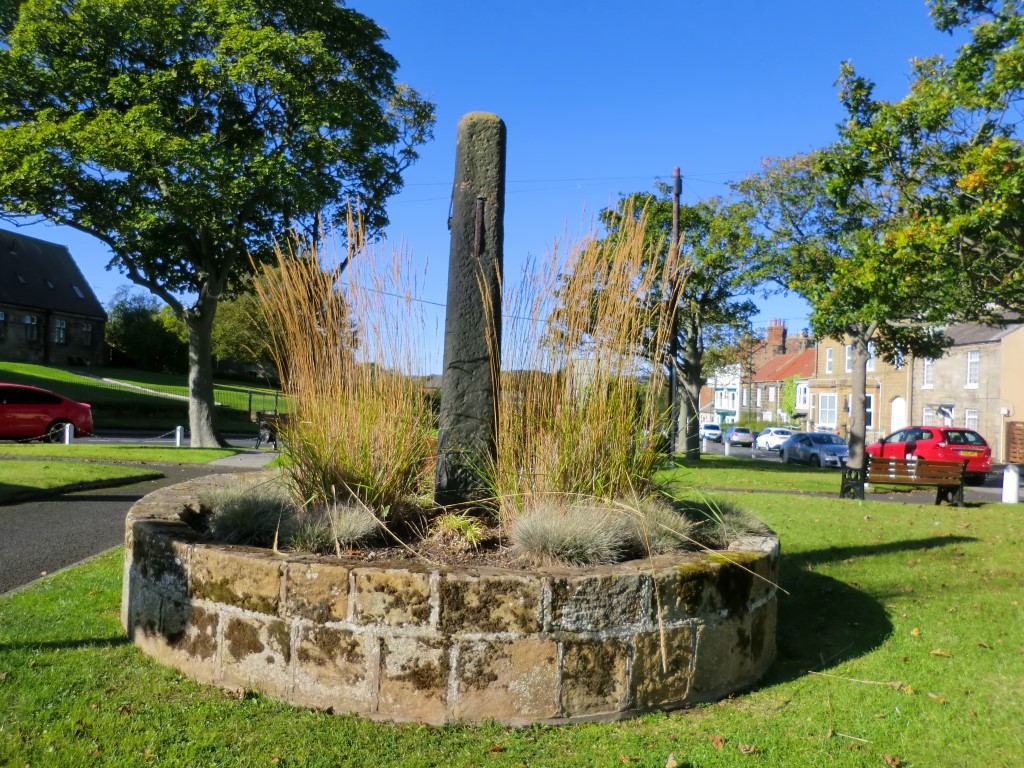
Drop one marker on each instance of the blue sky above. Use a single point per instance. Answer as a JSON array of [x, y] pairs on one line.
[[602, 98]]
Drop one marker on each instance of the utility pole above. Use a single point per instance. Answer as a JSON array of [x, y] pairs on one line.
[[673, 342]]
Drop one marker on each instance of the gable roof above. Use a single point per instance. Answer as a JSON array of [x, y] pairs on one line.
[[974, 333], [782, 367], [40, 275]]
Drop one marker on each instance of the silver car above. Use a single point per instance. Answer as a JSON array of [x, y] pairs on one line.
[[822, 449]]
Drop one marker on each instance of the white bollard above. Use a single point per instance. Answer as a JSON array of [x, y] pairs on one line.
[[726, 442], [704, 445], [69, 433], [178, 433], [1011, 484]]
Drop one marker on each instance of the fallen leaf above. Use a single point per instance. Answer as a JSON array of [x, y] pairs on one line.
[[718, 741], [748, 749], [671, 762], [853, 745], [892, 761], [981, 644], [97, 753], [625, 760], [496, 748], [964, 525], [4, 676], [94, 705], [916, 631], [940, 652], [92, 593], [936, 697]]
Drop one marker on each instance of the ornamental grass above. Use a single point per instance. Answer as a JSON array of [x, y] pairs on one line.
[[361, 429]]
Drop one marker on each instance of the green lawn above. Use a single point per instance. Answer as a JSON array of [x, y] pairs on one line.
[[20, 478], [153, 454], [900, 643], [712, 471]]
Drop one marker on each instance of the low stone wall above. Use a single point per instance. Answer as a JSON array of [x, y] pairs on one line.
[[407, 641]]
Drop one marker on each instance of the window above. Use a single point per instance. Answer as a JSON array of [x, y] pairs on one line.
[[973, 365], [827, 409], [828, 360], [86, 334], [871, 356], [971, 418], [744, 398], [771, 394], [757, 397], [927, 374], [849, 357], [31, 327], [928, 417], [869, 416], [801, 395], [60, 332]]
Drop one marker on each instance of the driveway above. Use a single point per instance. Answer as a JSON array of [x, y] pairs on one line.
[[40, 537]]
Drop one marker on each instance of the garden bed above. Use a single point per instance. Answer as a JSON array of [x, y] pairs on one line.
[[406, 640]]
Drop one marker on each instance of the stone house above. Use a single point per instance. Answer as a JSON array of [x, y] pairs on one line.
[[888, 390], [979, 384], [48, 312]]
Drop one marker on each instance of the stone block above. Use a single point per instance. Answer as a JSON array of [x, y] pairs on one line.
[[316, 591], [684, 591], [595, 603], [662, 668], [185, 638], [160, 554], [255, 654], [247, 580], [335, 668], [392, 597], [733, 653], [472, 603], [513, 681], [414, 679], [594, 677]]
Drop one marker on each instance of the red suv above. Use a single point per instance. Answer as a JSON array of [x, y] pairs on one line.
[[29, 413], [939, 444]]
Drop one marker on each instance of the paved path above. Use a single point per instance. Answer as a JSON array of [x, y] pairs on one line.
[[40, 537]]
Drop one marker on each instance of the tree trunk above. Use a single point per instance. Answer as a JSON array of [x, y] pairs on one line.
[[692, 381], [858, 401], [199, 321]]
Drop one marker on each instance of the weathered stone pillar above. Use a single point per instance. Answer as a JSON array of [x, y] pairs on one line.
[[466, 440]]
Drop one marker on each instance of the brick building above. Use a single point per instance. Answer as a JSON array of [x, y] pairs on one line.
[[48, 312]]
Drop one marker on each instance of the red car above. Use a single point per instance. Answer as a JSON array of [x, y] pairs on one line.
[[29, 413], [939, 444]]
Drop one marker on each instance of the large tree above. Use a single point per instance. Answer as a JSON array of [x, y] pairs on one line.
[[835, 251], [188, 135], [721, 257], [951, 151]]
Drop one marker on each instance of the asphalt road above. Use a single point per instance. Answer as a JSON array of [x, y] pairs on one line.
[[40, 537]]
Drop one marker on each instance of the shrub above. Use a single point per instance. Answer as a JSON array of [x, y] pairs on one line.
[[331, 530], [716, 522], [577, 534], [256, 512]]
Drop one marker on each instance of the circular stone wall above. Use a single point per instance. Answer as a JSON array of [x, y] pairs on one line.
[[409, 641]]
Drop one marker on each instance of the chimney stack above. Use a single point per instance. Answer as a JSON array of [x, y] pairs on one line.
[[776, 338]]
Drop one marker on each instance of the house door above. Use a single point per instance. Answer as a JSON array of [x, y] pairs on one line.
[[897, 414], [1015, 442]]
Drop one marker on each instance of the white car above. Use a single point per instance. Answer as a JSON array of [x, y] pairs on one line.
[[771, 438], [710, 431]]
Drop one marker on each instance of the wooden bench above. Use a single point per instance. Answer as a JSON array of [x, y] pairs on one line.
[[947, 477], [268, 424]]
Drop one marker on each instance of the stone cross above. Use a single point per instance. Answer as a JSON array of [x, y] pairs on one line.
[[466, 440]]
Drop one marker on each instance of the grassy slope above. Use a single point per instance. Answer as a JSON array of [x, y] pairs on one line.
[[124, 407], [875, 589]]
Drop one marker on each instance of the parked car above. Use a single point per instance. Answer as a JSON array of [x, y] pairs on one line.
[[711, 431], [738, 436], [770, 438], [822, 449], [30, 413], [939, 444]]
